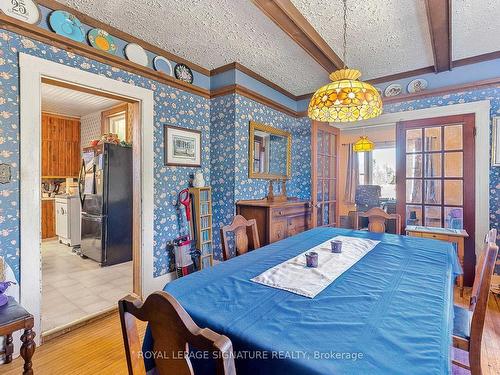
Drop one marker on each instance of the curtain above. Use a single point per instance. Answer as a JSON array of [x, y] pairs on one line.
[[352, 177]]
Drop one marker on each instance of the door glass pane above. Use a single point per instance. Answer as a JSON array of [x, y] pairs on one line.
[[331, 190], [333, 163], [319, 142], [320, 166], [453, 192], [327, 139], [320, 190], [414, 165], [454, 217], [319, 215], [453, 137], [432, 192], [432, 139], [326, 216], [327, 189], [332, 213], [413, 215], [414, 140], [453, 164], [432, 165], [327, 162], [414, 191], [432, 216]]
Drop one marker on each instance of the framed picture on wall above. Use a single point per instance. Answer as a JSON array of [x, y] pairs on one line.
[[182, 146], [495, 142]]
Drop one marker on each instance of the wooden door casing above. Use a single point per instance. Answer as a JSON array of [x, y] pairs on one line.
[[468, 148], [317, 127]]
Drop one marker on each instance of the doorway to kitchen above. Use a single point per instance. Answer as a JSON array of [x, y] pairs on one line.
[[34, 72], [86, 221]]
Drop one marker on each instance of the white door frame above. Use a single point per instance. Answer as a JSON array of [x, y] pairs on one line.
[[481, 110], [32, 69]]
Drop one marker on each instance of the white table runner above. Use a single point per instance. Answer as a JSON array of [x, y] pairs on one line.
[[294, 276]]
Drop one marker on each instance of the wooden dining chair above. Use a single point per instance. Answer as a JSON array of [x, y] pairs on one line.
[[173, 331], [468, 323], [376, 220], [243, 242]]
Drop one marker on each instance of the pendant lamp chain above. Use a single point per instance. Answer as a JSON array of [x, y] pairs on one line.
[[344, 54]]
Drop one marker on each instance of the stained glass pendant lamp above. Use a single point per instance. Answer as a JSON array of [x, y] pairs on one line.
[[363, 145], [346, 99]]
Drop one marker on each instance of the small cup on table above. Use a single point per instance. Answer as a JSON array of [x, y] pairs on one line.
[[312, 259], [336, 246]]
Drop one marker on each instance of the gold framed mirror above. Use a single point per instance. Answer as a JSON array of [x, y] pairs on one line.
[[269, 152]]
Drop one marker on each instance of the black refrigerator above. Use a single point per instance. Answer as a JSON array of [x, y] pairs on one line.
[[105, 187]]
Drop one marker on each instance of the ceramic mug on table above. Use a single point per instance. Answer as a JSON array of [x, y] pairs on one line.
[[312, 259], [336, 246]]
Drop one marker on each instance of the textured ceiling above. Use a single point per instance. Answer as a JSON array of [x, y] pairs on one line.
[[212, 34], [71, 102], [476, 27], [383, 37]]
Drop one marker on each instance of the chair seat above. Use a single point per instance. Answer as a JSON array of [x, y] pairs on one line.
[[461, 322]]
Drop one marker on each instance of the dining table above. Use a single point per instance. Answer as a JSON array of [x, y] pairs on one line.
[[389, 313]]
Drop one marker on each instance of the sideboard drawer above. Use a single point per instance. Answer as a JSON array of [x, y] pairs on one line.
[[435, 236], [289, 211]]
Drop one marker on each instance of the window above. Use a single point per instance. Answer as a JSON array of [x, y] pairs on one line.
[[116, 120], [118, 125], [378, 167]]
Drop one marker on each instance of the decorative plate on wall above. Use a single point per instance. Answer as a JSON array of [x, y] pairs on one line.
[[66, 24], [26, 10], [417, 85], [161, 64], [100, 39], [393, 90], [183, 73], [136, 53]]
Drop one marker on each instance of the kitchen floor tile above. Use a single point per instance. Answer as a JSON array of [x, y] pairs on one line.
[[73, 287]]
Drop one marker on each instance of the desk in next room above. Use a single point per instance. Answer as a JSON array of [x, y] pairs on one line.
[[456, 236]]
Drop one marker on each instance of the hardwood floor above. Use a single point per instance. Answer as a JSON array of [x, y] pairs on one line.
[[98, 348]]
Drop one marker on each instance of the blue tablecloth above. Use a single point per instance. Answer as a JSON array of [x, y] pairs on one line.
[[391, 313]]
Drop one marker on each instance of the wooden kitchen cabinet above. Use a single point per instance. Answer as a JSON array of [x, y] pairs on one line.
[[48, 218], [60, 146]]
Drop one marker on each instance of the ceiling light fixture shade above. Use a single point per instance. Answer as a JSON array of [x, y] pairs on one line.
[[345, 99], [363, 145]]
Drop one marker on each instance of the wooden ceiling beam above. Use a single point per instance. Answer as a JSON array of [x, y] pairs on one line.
[[284, 14], [439, 20]]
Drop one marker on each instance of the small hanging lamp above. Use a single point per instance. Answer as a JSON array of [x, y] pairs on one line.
[[346, 99], [363, 145]]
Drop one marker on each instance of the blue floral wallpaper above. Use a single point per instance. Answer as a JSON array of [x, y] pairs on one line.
[[171, 106], [230, 116]]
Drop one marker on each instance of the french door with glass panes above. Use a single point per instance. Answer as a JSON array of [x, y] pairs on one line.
[[435, 175], [324, 163]]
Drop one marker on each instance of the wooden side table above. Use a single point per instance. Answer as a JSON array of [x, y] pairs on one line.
[[14, 317], [456, 236]]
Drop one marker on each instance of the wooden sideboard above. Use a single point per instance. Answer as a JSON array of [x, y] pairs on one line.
[[276, 220]]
